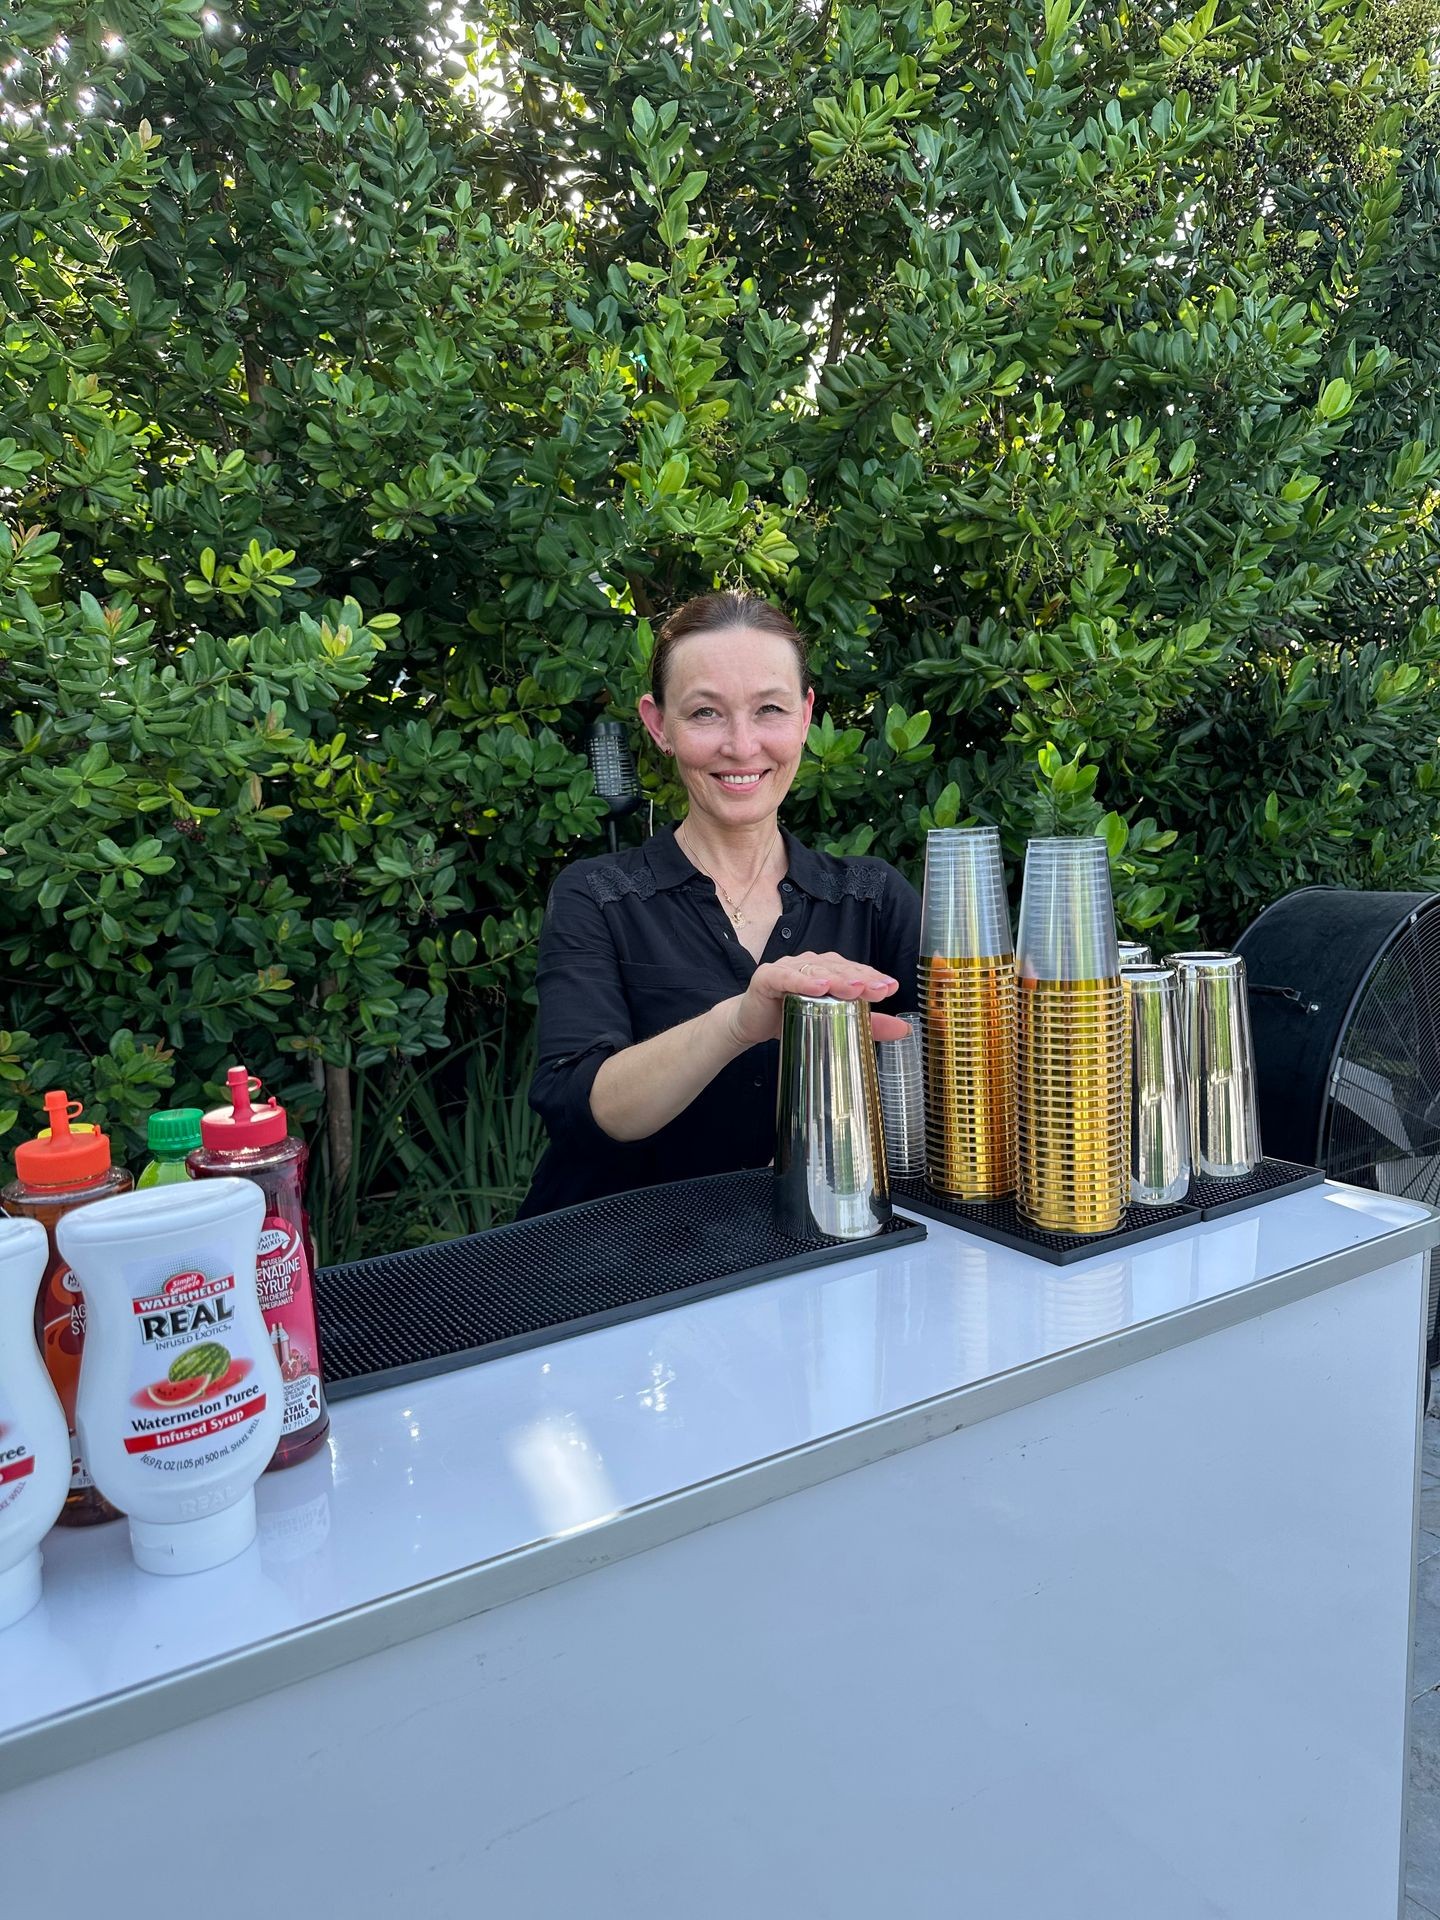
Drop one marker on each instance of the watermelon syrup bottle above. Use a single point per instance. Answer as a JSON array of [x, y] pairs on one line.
[[65, 1166], [256, 1143]]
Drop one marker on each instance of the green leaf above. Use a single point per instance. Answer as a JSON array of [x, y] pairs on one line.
[[673, 475]]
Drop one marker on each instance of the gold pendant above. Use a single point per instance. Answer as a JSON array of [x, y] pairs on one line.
[[737, 917]]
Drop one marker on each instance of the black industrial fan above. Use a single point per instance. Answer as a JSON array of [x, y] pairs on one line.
[[1345, 1006]]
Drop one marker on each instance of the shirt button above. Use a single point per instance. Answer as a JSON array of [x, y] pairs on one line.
[[784, 933], [785, 887], [759, 1083]]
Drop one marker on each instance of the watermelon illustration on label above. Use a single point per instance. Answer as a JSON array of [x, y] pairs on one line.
[[202, 1395]]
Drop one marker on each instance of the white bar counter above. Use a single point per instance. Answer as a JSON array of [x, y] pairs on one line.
[[937, 1581]]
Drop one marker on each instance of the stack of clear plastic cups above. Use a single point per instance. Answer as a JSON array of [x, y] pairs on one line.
[[902, 1102], [1133, 953], [967, 1000], [1074, 1056]]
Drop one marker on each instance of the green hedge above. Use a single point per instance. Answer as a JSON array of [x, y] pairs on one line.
[[364, 400]]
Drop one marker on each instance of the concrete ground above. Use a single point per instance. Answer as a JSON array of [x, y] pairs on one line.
[[1422, 1876]]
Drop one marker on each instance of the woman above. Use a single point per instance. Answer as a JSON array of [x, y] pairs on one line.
[[663, 969]]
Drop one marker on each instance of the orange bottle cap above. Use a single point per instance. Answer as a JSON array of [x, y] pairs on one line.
[[62, 1155]]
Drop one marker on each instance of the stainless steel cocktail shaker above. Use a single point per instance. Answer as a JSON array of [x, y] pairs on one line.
[[830, 1174], [1215, 1022], [1159, 1092]]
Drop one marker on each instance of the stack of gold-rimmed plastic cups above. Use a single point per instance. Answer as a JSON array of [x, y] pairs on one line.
[[1074, 1065], [967, 1001]]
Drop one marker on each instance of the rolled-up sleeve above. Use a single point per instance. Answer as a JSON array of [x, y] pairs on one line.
[[584, 1017]]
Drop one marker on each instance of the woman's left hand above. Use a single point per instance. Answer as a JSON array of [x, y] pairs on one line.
[[755, 1015]]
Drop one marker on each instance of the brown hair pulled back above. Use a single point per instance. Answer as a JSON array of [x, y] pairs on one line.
[[711, 613]]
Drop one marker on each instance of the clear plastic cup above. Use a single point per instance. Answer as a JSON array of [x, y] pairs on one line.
[[1067, 913], [964, 911]]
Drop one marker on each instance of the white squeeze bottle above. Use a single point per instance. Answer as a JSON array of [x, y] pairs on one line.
[[34, 1438], [181, 1400]]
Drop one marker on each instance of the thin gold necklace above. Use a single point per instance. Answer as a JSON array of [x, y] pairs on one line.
[[733, 906]]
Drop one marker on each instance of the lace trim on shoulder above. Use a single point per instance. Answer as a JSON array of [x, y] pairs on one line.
[[864, 879], [609, 882]]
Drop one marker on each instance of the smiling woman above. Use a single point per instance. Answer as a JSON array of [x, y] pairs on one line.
[[663, 969]]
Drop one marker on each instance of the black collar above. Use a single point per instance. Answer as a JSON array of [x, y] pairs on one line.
[[814, 873]]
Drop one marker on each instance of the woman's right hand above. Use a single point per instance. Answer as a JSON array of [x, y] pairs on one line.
[[755, 1014]]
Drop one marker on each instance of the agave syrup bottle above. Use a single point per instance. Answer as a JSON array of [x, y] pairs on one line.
[[64, 1167]]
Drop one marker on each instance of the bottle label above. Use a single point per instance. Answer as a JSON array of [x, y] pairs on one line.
[[195, 1398], [282, 1274], [62, 1336], [17, 1464]]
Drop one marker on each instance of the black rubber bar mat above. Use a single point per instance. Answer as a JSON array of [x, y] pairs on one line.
[[1270, 1180], [426, 1310], [1000, 1220]]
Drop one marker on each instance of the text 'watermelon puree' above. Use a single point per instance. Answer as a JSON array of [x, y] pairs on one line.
[[181, 1397]]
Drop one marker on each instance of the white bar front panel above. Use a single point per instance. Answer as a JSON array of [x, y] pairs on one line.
[[1136, 1651]]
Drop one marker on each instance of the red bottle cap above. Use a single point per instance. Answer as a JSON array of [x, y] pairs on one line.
[[234, 1128], [62, 1155]]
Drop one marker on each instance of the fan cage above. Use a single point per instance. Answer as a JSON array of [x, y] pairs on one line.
[[1382, 1116]]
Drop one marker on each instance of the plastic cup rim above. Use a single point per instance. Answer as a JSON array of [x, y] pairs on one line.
[[1091, 840]]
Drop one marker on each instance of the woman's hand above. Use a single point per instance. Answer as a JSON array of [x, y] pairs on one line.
[[642, 1087], [755, 1014]]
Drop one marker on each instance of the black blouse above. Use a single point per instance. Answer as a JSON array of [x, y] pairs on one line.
[[636, 942]]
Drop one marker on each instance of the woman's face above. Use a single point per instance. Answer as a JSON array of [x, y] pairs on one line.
[[735, 719]]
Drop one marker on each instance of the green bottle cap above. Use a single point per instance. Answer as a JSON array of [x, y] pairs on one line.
[[173, 1132]]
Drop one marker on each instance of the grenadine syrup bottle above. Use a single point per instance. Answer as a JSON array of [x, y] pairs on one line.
[[256, 1143], [65, 1166]]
